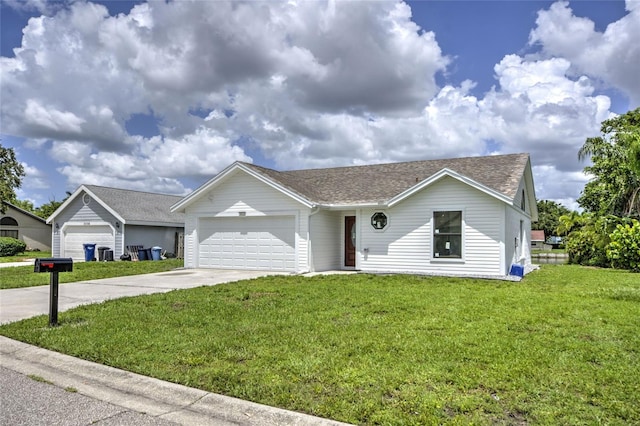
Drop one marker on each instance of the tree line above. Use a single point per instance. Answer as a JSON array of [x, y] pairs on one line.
[[607, 231]]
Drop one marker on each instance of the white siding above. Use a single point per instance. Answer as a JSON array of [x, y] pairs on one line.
[[520, 253], [517, 201], [79, 213], [190, 240], [518, 248], [326, 240], [238, 193], [405, 244]]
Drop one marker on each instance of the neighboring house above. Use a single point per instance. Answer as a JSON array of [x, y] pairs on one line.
[[114, 218], [464, 216], [555, 241], [538, 241], [26, 226]]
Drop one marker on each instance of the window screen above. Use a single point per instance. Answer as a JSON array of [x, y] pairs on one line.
[[447, 234]]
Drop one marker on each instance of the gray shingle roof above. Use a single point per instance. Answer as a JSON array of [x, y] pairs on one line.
[[136, 206], [381, 182]]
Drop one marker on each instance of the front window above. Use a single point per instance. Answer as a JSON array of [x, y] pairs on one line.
[[9, 233], [447, 234], [10, 226]]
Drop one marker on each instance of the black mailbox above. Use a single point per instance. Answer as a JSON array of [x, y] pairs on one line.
[[53, 264]]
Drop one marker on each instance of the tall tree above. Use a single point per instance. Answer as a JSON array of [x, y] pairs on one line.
[[11, 174], [615, 157], [46, 210], [24, 205], [549, 213]]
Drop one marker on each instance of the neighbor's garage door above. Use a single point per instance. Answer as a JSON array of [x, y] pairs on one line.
[[263, 243], [75, 236]]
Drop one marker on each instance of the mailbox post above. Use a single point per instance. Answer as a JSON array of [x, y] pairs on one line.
[[53, 265]]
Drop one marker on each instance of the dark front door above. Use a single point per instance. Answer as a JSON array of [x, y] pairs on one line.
[[350, 241]]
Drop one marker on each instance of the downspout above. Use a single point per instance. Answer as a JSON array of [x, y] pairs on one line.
[[315, 209]]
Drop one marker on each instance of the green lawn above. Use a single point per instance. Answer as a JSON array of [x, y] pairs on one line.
[[560, 347], [23, 276], [24, 256]]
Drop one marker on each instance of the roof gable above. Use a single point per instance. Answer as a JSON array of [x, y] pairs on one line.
[[441, 174], [230, 171]]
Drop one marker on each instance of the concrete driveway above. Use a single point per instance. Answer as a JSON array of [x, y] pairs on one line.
[[20, 303]]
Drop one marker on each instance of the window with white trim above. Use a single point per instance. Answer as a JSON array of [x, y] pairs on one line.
[[447, 234]]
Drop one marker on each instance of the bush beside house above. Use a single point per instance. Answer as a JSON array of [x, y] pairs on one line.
[[10, 246]]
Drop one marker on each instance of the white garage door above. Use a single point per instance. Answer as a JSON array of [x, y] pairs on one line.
[[75, 236], [263, 243]]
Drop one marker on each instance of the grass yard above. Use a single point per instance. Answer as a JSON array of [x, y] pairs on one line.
[[560, 347], [24, 256], [23, 276]]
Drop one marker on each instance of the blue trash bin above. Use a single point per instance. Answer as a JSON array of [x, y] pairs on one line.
[[89, 252], [155, 253], [142, 254]]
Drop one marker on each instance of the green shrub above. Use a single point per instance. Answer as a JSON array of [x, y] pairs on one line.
[[624, 249], [587, 247], [10, 246]]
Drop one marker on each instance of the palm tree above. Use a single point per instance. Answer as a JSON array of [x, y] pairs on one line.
[[570, 222], [615, 158]]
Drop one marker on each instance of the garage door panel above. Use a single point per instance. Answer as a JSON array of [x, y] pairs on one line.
[[75, 236], [248, 243]]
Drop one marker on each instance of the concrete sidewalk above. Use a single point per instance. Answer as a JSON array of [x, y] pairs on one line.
[[27, 262], [140, 394]]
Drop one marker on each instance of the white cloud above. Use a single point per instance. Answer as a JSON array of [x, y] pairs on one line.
[[155, 165], [612, 56], [48, 120], [304, 84], [202, 153], [42, 6], [34, 178]]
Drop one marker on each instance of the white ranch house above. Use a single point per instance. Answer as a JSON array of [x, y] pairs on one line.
[[462, 216]]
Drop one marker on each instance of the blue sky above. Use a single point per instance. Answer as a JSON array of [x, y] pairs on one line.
[[162, 96]]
